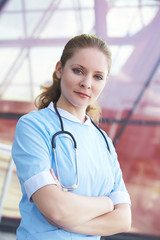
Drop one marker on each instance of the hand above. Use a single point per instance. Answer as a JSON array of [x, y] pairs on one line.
[[56, 180]]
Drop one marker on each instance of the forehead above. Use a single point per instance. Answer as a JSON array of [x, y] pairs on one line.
[[91, 56]]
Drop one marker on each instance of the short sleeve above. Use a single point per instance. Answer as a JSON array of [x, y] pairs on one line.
[[31, 152], [119, 193]]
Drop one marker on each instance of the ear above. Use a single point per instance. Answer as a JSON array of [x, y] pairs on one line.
[[58, 70]]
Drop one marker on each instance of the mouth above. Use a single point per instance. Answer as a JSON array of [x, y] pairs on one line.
[[83, 95]]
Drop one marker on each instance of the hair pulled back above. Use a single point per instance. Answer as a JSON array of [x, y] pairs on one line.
[[53, 92]]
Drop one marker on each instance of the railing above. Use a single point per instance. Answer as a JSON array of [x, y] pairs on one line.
[[5, 150]]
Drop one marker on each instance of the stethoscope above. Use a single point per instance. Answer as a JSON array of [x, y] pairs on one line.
[[75, 185]]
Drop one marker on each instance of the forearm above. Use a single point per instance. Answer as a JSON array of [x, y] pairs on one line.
[[79, 209], [69, 209], [119, 220]]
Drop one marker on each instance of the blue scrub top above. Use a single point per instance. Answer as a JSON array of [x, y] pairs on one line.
[[99, 171]]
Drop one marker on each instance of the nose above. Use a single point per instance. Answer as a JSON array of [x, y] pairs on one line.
[[86, 82]]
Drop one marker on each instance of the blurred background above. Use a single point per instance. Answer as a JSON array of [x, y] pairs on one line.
[[32, 36]]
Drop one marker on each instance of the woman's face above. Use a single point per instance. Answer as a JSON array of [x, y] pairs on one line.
[[83, 77]]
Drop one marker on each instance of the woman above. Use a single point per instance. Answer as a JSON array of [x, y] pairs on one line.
[[97, 203]]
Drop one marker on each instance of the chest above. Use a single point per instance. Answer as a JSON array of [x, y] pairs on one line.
[[95, 165]]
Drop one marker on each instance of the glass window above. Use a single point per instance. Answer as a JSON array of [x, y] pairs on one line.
[[11, 26], [120, 55]]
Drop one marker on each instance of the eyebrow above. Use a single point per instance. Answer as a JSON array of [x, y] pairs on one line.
[[85, 68]]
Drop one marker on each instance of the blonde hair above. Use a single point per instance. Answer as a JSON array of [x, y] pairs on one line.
[[53, 92]]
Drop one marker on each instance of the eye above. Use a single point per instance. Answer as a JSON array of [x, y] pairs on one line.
[[99, 77], [77, 71]]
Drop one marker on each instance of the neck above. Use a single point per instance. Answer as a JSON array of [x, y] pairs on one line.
[[74, 110]]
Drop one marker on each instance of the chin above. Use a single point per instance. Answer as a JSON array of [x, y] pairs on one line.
[[79, 105]]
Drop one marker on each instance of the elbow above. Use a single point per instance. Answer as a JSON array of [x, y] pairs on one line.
[[126, 224], [57, 215], [60, 216], [124, 219]]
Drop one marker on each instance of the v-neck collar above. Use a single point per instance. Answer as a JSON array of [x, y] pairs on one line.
[[69, 116]]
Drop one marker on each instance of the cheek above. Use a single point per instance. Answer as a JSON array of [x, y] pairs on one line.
[[66, 85]]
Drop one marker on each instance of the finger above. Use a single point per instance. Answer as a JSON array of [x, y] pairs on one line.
[[52, 173], [55, 178]]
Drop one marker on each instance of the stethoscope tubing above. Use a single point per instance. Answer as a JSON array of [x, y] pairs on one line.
[[63, 132], [74, 186]]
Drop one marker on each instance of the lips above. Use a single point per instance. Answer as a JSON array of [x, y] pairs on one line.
[[83, 95]]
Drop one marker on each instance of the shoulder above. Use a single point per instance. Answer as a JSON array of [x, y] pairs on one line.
[[33, 128], [110, 143], [37, 116], [38, 119]]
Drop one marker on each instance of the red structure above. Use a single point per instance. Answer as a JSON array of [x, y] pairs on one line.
[[130, 102]]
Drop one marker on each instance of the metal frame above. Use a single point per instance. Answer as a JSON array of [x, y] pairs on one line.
[[101, 8]]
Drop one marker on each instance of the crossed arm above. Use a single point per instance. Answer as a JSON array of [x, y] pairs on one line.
[[80, 214], [116, 221]]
